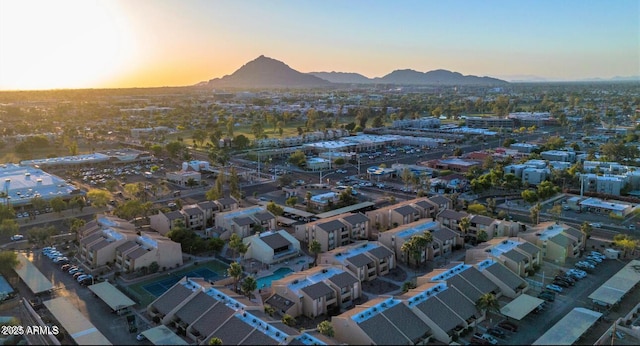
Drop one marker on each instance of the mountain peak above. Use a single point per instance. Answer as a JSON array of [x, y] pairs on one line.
[[267, 72]]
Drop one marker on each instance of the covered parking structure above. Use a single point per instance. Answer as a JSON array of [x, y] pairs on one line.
[[32, 276], [161, 335], [117, 301], [570, 328], [614, 289], [79, 327], [521, 306], [362, 206]]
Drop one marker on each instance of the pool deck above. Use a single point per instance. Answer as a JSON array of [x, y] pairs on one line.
[[296, 264]]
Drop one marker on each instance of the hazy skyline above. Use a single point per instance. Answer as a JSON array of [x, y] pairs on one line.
[[48, 44]]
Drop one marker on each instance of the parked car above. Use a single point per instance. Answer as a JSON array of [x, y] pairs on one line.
[[86, 281], [496, 332], [65, 267], [596, 253], [560, 283], [78, 274], [595, 258], [84, 277], [547, 297], [577, 273], [509, 326], [554, 287], [595, 224], [75, 270], [61, 260]]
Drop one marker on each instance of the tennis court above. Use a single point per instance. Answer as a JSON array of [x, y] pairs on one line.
[[159, 287]]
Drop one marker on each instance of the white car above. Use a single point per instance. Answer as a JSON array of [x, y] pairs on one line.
[[17, 237], [595, 258], [595, 224], [577, 273], [595, 253], [553, 287], [586, 264]]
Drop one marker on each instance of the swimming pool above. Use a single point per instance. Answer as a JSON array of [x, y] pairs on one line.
[[277, 275]]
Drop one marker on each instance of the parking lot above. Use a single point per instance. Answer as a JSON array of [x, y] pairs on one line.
[[114, 327], [532, 326]]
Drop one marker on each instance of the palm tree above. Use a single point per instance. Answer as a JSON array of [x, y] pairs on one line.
[[487, 303], [249, 285], [586, 228], [235, 271], [406, 249], [464, 225], [315, 248], [535, 214]]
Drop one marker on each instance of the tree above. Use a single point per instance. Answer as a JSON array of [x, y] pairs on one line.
[[315, 248], [464, 225], [298, 158], [234, 184], [275, 209], [556, 211], [76, 224], [215, 341], [235, 271], [586, 228], [491, 206], [58, 204], [7, 212], [249, 284], [291, 201], [77, 202], [39, 203], [215, 244], [457, 152], [477, 209], [9, 227], [626, 242], [235, 242], [326, 328], [98, 197], [534, 213], [482, 236], [529, 196], [8, 261], [241, 142], [488, 303], [288, 320]]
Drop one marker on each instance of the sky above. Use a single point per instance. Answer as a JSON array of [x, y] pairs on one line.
[[61, 44]]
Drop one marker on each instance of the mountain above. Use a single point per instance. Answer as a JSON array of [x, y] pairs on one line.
[[436, 77], [342, 77], [265, 72]]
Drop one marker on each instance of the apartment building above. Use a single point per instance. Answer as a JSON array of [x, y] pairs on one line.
[[271, 247], [511, 284], [243, 221], [318, 290], [110, 239], [146, 249], [333, 232], [201, 311], [401, 214], [451, 218], [558, 241], [366, 260], [194, 217], [518, 255], [381, 321], [444, 240], [464, 277]]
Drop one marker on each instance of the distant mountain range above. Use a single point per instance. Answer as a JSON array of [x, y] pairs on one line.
[[538, 79], [266, 72]]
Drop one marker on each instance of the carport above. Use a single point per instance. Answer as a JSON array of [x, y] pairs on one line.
[[614, 289], [570, 328], [521, 306], [79, 327], [32, 276], [116, 300], [161, 335]]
